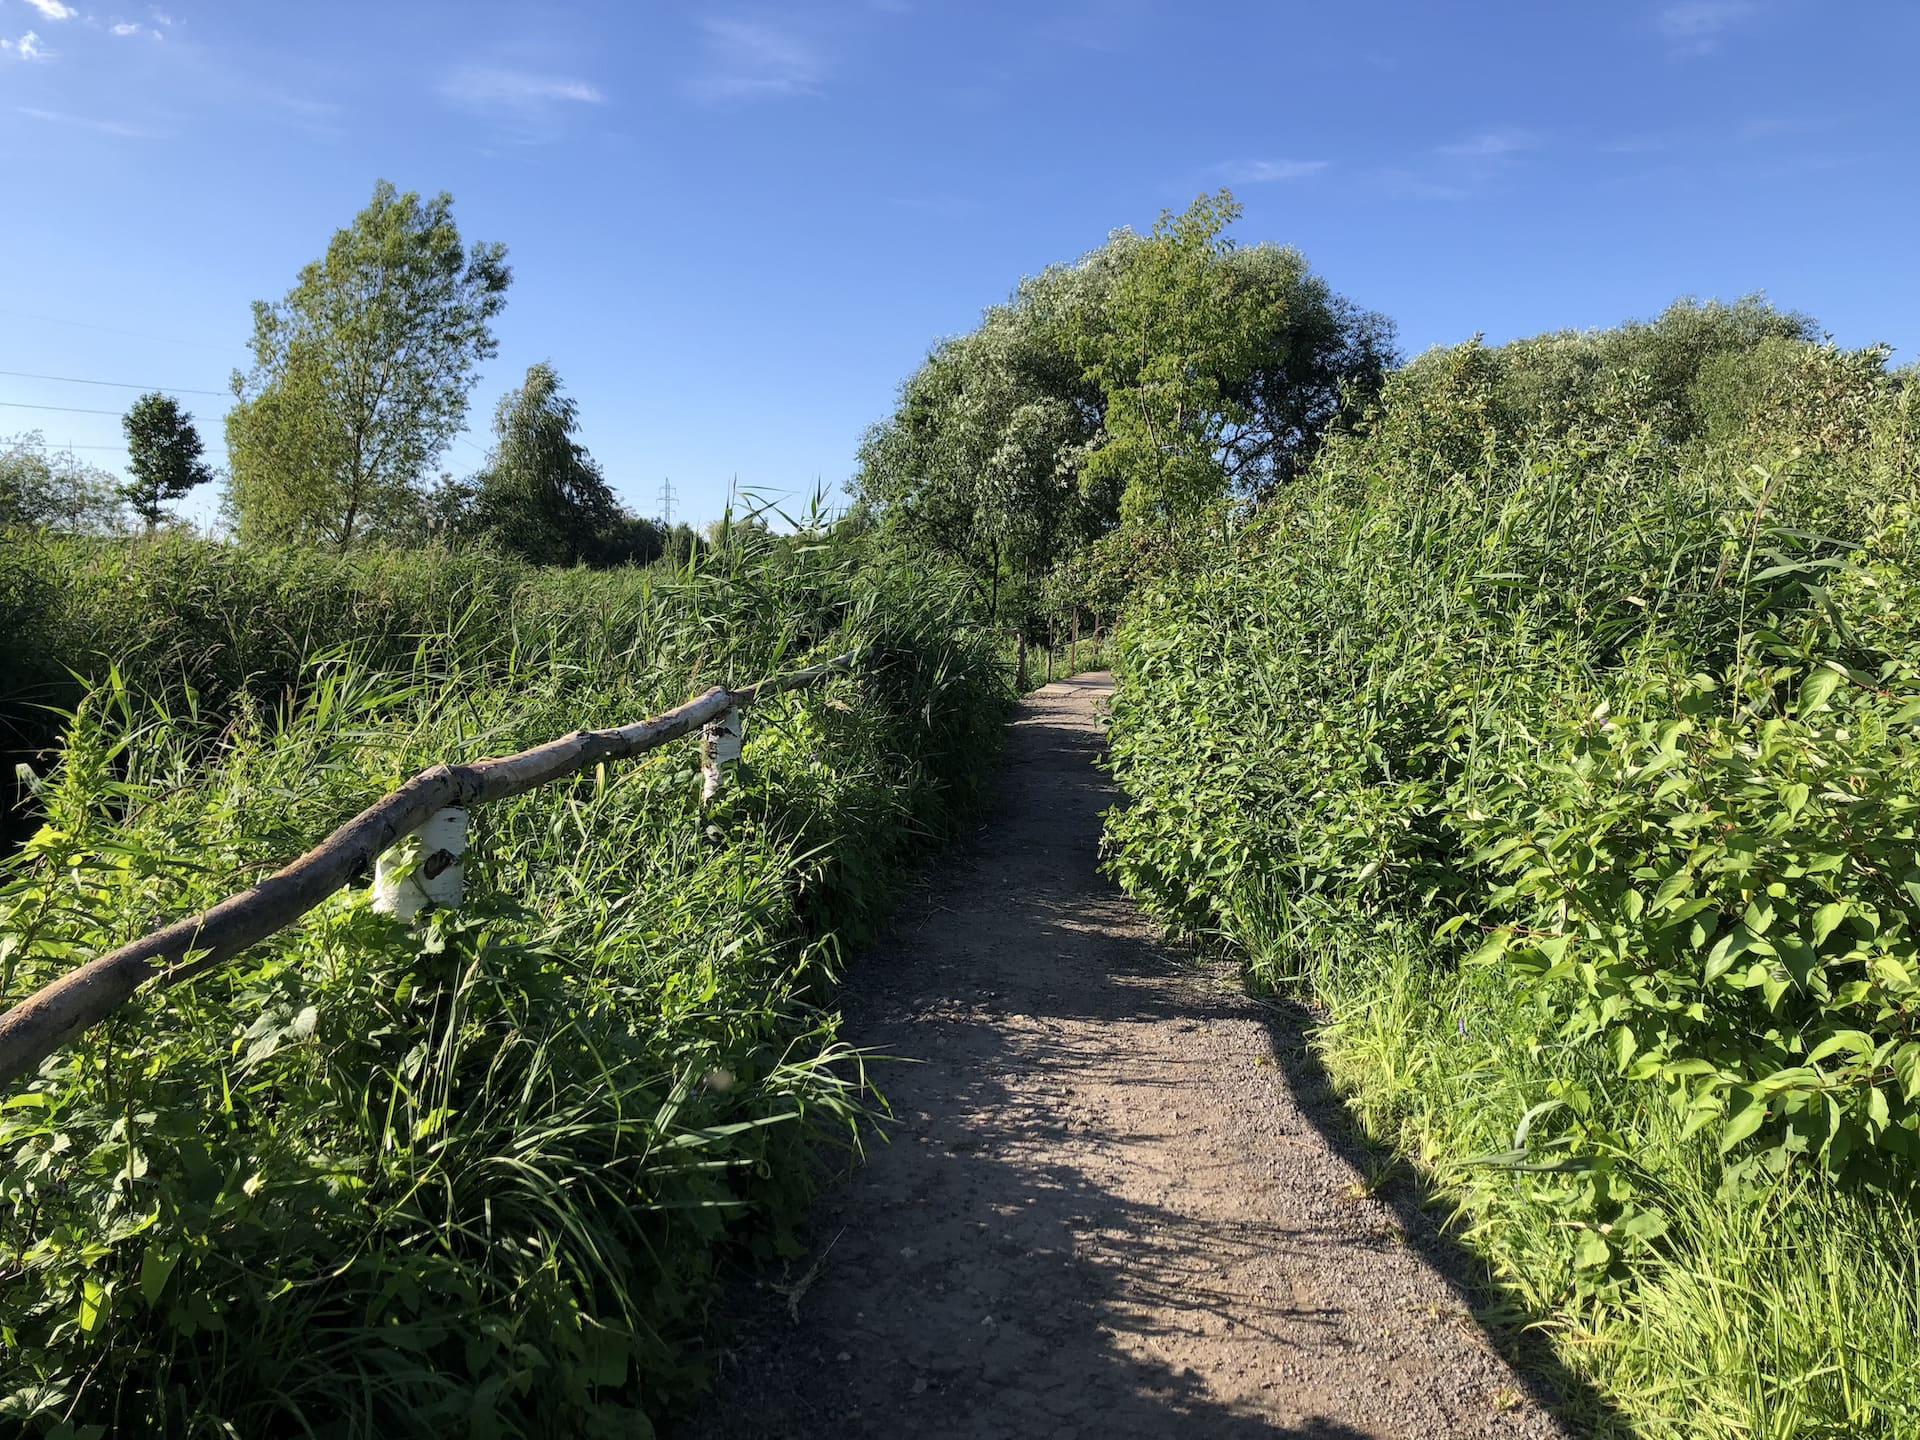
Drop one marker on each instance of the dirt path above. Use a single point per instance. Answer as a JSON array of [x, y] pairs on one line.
[[1118, 1201]]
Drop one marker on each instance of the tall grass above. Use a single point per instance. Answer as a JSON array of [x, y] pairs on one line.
[[471, 1177], [1582, 667]]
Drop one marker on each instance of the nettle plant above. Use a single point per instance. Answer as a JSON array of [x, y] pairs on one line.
[[1720, 878]]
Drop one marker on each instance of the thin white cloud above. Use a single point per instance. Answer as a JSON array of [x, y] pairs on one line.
[[53, 9], [491, 86], [755, 60], [82, 122], [27, 47], [1266, 172], [1696, 27], [1491, 145]]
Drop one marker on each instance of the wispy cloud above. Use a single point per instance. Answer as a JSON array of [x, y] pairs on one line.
[[490, 86], [1266, 172], [82, 122], [1491, 145], [1461, 168], [27, 47], [126, 29], [744, 59], [1634, 145], [524, 107], [53, 9], [1696, 27]]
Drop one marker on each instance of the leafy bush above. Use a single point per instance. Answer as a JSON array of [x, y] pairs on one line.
[[471, 1177], [1586, 658]]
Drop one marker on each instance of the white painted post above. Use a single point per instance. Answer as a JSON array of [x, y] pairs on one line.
[[424, 868], [721, 742]]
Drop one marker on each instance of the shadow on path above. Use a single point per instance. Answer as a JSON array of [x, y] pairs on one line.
[[1119, 1197]]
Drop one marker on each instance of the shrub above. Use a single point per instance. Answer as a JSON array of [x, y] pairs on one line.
[[1587, 659], [471, 1177]]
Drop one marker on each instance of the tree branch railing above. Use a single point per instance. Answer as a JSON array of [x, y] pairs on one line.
[[82, 998]]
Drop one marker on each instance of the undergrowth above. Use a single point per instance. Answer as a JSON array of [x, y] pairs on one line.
[[1559, 736], [472, 1177]]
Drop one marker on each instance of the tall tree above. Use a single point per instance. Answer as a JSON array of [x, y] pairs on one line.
[[164, 455], [1221, 367], [1151, 378], [981, 460], [361, 376], [540, 494]]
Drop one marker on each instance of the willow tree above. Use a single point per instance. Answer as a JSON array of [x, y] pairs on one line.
[[540, 495], [1221, 367], [361, 376], [1147, 380]]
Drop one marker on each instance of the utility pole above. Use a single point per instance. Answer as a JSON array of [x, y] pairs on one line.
[[666, 502]]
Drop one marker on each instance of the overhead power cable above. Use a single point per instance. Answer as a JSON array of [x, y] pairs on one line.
[[115, 384], [17, 442], [63, 409], [116, 330]]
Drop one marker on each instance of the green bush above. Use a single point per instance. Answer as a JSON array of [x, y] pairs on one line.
[[1587, 659], [474, 1176]]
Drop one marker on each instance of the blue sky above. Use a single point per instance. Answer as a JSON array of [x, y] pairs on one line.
[[734, 228]]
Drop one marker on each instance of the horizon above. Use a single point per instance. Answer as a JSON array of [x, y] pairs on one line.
[[735, 232]]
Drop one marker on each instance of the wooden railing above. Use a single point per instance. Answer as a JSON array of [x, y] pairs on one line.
[[53, 1015]]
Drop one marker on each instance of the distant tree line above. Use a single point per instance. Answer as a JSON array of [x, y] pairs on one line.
[[360, 381]]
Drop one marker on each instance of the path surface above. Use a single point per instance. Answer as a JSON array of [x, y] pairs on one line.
[[1117, 1202]]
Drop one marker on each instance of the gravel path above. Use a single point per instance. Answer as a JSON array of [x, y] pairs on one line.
[[1119, 1200]]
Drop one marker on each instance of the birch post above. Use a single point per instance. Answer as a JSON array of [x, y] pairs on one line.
[[82, 998]]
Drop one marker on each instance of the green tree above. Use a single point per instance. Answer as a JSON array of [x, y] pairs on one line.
[[1222, 368], [1148, 380], [682, 543], [981, 461], [164, 455], [540, 495], [46, 490], [361, 376]]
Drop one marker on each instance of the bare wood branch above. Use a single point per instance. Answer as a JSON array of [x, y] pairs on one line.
[[82, 998]]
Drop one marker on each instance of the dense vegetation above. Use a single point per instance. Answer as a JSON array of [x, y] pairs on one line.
[[1559, 733], [1547, 715], [470, 1177]]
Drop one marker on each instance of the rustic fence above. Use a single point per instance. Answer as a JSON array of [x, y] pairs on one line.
[[422, 823]]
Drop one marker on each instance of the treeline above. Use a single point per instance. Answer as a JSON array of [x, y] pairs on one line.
[[360, 381]]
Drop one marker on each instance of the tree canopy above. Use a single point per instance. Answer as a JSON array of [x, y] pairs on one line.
[[540, 495], [361, 376], [55, 490], [163, 450], [1146, 382]]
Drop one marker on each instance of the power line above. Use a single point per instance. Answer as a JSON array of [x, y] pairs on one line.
[[20, 442], [115, 384], [666, 502], [114, 330], [63, 409]]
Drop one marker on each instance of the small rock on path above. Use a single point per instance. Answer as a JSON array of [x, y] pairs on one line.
[[1116, 1201]]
